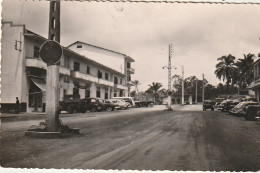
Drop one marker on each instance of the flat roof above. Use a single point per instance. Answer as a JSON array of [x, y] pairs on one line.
[[128, 57]]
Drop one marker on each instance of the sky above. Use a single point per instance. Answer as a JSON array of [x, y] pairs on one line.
[[199, 33]]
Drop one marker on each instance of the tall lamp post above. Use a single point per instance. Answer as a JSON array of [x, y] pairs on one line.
[[203, 87], [182, 86], [169, 76]]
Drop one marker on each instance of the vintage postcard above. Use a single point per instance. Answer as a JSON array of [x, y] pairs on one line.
[[130, 85]]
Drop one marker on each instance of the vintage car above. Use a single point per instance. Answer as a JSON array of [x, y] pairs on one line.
[[240, 109], [93, 104], [208, 104], [110, 106], [121, 104], [227, 106], [252, 113]]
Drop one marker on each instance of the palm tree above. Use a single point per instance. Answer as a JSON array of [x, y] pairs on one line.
[[226, 69], [136, 83], [153, 89], [245, 71]]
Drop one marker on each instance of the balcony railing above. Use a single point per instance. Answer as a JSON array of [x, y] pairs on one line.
[[131, 70], [119, 86], [105, 82], [38, 63], [35, 62], [79, 75]]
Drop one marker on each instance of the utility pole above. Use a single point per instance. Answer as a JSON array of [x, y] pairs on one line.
[[196, 93], [202, 87], [52, 75], [170, 78], [182, 86]]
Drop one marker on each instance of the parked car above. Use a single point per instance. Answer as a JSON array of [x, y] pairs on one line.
[[144, 103], [252, 112], [126, 99], [110, 106], [93, 104], [230, 104], [208, 104], [240, 109], [120, 104], [221, 105], [71, 104], [218, 101]]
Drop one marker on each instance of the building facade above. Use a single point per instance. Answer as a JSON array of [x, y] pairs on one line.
[[23, 74], [256, 83]]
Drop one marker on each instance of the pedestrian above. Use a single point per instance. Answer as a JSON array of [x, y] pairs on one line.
[[17, 106]]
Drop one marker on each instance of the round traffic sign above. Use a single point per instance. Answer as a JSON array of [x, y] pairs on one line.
[[51, 52]]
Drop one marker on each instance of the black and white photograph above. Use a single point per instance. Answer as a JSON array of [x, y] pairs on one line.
[[130, 85]]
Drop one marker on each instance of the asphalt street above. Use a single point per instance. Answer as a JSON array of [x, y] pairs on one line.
[[186, 138]]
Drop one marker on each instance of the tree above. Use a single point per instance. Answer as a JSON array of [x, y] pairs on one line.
[[245, 72], [136, 83], [176, 82], [132, 93], [226, 69], [153, 89]]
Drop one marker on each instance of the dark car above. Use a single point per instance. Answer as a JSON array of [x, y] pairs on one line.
[[93, 104], [71, 104], [252, 113], [110, 106], [208, 104], [240, 109]]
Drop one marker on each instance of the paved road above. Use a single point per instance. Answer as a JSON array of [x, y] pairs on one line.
[[143, 139]]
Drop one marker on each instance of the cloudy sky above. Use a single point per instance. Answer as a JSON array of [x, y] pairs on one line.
[[200, 33]]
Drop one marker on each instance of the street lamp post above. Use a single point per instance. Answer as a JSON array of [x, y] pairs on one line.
[[169, 76], [202, 87], [182, 86]]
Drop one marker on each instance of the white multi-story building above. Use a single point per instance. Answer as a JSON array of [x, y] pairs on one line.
[[23, 73], [255, 85]]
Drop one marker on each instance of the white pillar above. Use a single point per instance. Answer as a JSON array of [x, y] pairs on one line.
[[52, 98]]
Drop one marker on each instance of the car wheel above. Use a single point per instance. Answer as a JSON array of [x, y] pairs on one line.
[[109, 108], [70, 110], [93, 109]]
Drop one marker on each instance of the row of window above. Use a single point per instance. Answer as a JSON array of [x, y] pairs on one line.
[[76, 67], [99, 73], [98, 92]]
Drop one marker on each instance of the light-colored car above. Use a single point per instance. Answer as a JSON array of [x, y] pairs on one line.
[[120, 104]]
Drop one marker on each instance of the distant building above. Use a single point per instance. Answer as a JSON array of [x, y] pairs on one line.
[[255, 85], [23, 74]]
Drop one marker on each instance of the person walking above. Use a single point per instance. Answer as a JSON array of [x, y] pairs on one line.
[[17, 106]]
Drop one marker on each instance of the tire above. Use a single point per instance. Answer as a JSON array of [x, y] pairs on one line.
[[93, 109], [70, 110], [249, 116], [83, 110], [109, 109]]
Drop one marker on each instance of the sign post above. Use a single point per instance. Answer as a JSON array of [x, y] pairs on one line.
[[50, 53]]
